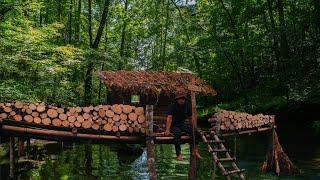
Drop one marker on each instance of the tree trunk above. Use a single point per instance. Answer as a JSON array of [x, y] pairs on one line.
[[317, 15], [78, 23], [100, 85], [40, 18], [163, 57], [46, 18], [70, 22], [273, 31], [88, 159], [106, 37], [123, 34], [5, 9], [194, 55], [90, 21], [102, 24], [279, 64], [284, 47], [95, 45], [59, 10], [237, 38]]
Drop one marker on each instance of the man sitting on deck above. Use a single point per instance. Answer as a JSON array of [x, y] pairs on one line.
[[177, 113]]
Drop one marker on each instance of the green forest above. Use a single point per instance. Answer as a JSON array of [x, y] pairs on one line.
[[260, 55]]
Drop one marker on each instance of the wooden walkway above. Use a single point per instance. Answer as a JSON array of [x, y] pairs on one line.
[[21, 129], [26, 130]]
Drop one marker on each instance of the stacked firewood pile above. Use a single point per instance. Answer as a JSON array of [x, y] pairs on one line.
[[231, 120], [109, 118]]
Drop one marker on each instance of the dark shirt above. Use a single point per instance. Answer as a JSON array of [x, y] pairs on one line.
[[179, 114]]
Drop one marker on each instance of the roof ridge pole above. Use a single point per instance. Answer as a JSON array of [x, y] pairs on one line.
[[150, 143]]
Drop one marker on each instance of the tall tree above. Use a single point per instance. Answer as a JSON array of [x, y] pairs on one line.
[[123, 36], [70, 22], [284, 47], [95, 45], [78, 22], [163, 59], [90, 22]]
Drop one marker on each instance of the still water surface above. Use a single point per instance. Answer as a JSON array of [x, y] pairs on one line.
[[129, 162]]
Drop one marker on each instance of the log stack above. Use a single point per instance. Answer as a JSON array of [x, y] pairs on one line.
[[109, 118], [231, 121]]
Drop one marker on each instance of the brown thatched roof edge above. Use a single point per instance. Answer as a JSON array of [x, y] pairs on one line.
[[152, 82]]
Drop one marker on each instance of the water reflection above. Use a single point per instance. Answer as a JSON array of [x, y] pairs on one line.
[[130, 161], [140, 167]]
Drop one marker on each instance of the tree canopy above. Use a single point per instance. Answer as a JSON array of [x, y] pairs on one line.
[[256, 53]]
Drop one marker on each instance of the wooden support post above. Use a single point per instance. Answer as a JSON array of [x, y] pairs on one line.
[[194, 111], [28, 148], [276, 159], [61, 143], [88, 158], [150, 143], [12, 159], [193, 163], [20, 147], [193, 147]]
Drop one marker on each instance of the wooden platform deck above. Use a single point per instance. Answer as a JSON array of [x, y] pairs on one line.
[[26, 130]]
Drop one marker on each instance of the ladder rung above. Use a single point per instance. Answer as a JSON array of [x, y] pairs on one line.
[[225, 159], [234, 171], [216, 141], [219, 150]]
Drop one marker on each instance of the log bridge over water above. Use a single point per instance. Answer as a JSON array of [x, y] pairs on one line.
[[128, 119]]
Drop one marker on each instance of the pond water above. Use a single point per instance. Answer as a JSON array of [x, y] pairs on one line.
[[129, 161]]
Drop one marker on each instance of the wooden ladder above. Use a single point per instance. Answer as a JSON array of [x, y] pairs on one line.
[[221, 156]]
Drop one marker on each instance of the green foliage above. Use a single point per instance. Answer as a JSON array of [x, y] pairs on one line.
[[258, 59]]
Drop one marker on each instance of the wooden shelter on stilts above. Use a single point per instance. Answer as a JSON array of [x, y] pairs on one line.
[[135, 112], [157, 90]]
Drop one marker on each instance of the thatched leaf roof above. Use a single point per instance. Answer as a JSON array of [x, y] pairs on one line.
[[152, 82]]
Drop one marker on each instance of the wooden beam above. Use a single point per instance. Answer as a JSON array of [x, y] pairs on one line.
[[150, 143], [12, 159], [21, 149], [193, 160], [67, 135], [53, 134], [246, 132], [28, 148]]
